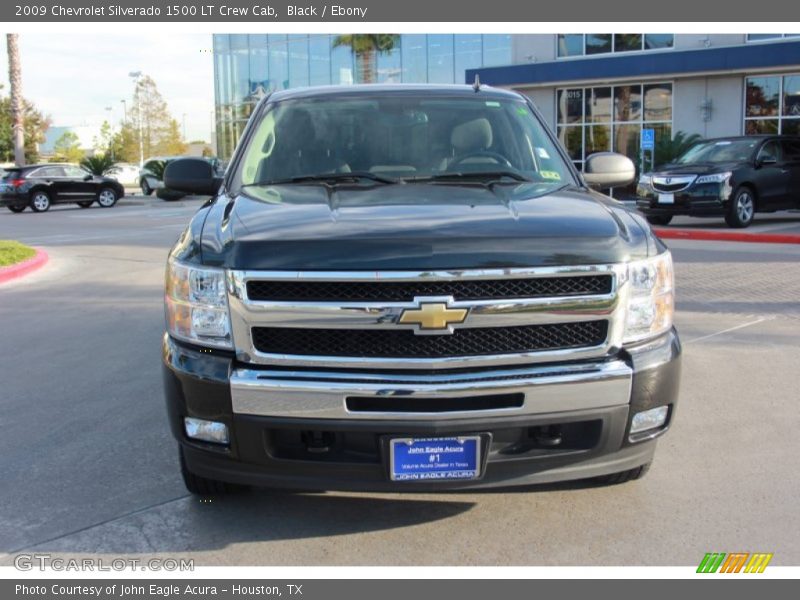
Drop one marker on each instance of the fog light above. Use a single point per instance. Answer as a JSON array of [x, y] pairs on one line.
[[649, 419], [207, 431]]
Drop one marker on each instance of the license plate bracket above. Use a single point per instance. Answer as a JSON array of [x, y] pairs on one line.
[[437, 458]]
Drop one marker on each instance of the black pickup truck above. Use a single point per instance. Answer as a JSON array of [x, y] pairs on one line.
[[412, 288]]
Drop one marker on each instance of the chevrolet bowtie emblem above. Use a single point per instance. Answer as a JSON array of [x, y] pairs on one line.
[[433, 316]]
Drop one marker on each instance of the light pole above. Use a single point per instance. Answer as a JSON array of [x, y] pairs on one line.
[[124, 111], [110, 110], [137, 76], [184, 127]]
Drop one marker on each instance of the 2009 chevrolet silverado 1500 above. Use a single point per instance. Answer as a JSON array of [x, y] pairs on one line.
[[408, 288]]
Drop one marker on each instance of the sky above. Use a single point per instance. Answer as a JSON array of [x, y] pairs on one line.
[[74, 77]]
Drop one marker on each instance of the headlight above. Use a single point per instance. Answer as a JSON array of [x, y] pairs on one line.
[[652, 298], [196, 305], [714, 178], [646, 180]]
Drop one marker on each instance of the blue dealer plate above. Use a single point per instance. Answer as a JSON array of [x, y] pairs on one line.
[[435, 459]]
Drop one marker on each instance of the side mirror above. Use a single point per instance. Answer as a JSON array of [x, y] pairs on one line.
[[766, 159], [608, 169], [192, 176], [88, 177]]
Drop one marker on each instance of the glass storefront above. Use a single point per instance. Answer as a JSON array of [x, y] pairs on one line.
[[772, 104], [246, 67], [610, 118]]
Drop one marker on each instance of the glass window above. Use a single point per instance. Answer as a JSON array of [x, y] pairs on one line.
[[791, 96], [598, 139], [278, 62], [757, 37], [657, 41], [658, 102], [298, 60], [240, 75], [570, 105], [762, 96], [342, 71], [598, 43], [759, 126], [790, 127], [771, 149], [259, 63], [414, 52], [468, 51], [598, 105], [626, 42], [440, 59], [570, 44], [496, 50], [390, 66], [571, 137], [319, 52], [628, 102]]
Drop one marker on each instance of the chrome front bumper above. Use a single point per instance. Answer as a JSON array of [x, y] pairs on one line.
[[323, 395]]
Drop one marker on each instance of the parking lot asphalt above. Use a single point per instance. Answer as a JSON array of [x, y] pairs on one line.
[[89, 467]]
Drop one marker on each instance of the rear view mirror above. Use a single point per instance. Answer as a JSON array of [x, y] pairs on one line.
[[608, 169], [192, 176]]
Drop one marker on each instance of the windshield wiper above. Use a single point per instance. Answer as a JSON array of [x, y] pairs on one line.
[[483, 177], [329, 179]]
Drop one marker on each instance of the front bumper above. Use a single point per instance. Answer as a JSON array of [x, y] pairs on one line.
[[275, 414], [698, 201]]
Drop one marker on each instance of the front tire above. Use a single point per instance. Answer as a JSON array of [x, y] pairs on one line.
[[146, 189], [741, 208], [659, 219], [107, 197], [202, 486], [624, 476], [17, 209], [40, 201]]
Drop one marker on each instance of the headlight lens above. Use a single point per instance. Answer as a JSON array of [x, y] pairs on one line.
[[714, 178], [196, 305], [652, 298]]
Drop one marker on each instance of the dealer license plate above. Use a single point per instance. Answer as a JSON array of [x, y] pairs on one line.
[[435, 459], [666, 198]]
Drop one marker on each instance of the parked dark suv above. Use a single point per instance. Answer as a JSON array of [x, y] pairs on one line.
[[732, 177], [40, 186]]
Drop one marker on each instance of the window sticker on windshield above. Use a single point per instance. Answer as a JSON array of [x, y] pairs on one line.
[[493, 104], [723, 143], [522, 111], [550, 175], [542, 153]]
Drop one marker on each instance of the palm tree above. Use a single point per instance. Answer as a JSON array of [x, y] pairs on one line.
[[668, 149], [17, 108], [98, 164], [366, 47]]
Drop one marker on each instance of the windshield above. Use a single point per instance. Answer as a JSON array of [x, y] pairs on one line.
[[720, 151], [400, 138]]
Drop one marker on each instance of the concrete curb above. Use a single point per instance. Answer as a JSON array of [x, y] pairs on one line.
[[26, 266], [727, 236]]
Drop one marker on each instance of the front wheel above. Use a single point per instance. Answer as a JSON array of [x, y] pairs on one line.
[[202, 486], [659, 219], [107, 197], [741, 208], [40, 201], [146, 189], [17, 209], [86, 204], [624, 476]]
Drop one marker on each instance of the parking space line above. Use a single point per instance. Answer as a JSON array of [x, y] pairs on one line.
[[729, 329]]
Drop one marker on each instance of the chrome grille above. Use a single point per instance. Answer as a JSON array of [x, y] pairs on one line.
[[674, 183], [353, 319]]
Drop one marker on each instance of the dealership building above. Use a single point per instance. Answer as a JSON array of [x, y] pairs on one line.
[[597, 91]]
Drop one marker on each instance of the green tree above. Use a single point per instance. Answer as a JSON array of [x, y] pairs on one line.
[[668, 149], [160, 133], [34, 123], [67, 148], [366, 47], [98, 164], [124, 144]]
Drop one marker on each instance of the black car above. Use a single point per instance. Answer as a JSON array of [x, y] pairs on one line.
[[40, 186], [412, 288], [732, 177]]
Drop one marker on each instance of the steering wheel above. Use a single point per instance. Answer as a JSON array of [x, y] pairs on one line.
[[498, 158]]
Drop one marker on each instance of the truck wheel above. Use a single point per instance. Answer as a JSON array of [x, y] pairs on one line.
[[659, 220], [624, 476], [202, 486], [741, 208]]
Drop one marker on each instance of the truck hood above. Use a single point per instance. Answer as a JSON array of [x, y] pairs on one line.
[[418, 227]]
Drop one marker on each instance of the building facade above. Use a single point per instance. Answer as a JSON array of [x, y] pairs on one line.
[[596, 91]]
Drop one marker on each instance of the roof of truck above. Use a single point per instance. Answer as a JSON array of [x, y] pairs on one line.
[[391, 89]]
